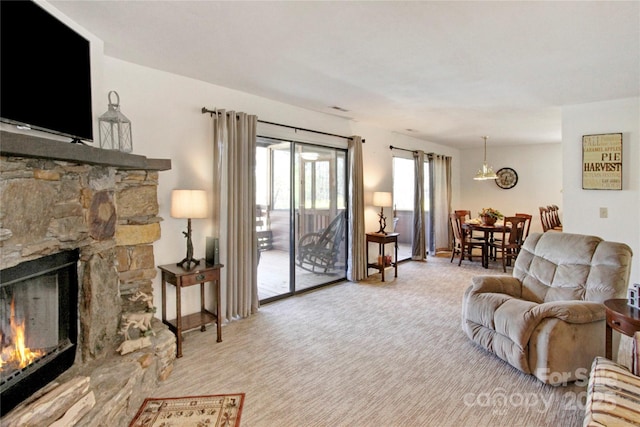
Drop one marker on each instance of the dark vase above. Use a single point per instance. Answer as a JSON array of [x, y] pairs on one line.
[[488, 220]]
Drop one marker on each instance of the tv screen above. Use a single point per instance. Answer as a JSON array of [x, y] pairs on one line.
[[46, 72]]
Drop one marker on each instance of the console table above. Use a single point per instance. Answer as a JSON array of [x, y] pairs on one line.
[[382, 240], [620, 317], [181, 278]]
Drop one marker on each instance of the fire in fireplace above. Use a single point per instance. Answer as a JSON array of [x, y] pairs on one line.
[[38, 324]]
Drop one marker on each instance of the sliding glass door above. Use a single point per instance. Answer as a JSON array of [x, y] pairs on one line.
[[301, 197], [403, 195]]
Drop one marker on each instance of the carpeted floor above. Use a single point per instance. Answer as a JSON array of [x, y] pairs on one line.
[[370, 354]]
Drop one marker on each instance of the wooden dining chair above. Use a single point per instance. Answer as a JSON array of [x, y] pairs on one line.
[[463, 244], [554, 217], [527, 225], [544, 218], [497, 240], [510, 242], [465, 215]]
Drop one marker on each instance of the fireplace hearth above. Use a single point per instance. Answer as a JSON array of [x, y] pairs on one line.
[[38, 324], [91, 216]]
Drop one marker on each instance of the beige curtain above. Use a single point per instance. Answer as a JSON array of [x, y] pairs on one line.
[[357, 264], [440, 169], [234, 136], [419, 247]]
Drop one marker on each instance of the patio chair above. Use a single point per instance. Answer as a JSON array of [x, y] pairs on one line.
[[318, 252]]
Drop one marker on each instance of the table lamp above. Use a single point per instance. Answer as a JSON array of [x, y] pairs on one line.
[[382, 199], [188, 204]]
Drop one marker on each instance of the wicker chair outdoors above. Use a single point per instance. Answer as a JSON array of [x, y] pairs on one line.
[[318, 252]]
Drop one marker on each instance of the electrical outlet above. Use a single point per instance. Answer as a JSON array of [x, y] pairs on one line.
[[604, 213]]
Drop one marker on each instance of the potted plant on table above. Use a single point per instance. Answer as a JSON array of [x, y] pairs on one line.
[[489, 216]]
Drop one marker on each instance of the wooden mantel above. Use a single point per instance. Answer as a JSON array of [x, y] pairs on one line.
[[21, 145]]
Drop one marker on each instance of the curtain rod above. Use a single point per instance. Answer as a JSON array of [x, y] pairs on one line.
[[212, 112], [391, 147]]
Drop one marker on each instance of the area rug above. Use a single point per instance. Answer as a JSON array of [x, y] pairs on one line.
[[219, 410]]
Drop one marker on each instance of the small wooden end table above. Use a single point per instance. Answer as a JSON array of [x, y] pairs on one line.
[[181, 278], [383, 239], [620, 317]]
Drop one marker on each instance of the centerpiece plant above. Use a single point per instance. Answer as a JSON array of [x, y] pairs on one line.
[[489, 216]]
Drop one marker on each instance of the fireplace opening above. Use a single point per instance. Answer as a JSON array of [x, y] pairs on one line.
[[38, 324]]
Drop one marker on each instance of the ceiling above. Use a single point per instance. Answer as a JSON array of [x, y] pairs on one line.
[[446, 72]]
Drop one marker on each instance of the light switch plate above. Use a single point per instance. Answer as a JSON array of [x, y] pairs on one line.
[[604, 213]]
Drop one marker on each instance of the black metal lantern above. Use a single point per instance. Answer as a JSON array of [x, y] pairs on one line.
[[115, 128]]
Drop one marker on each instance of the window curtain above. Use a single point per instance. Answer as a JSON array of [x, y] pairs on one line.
[[440, 170], [419, 249], [356, 264], [234, 220]]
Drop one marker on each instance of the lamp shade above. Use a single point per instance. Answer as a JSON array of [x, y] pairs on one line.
[[382, 199], [189, 204]]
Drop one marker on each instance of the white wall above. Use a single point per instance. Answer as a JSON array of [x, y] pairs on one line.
[[539, 169], [378, 166], [582, 207], [167, 123]]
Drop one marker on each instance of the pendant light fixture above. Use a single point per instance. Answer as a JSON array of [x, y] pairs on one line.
[[487, 171]]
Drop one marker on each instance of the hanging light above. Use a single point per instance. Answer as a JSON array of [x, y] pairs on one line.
[[487, 171]]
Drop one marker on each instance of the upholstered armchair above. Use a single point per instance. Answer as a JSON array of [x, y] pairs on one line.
[[547, 319]]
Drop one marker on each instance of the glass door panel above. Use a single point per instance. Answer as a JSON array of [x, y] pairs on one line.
[[320, 216], [306, 227], [403, 192], [273, 194], [403, 189], [427, 205]]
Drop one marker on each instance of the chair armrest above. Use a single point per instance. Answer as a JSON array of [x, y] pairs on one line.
[[496, 284], [571, 311]]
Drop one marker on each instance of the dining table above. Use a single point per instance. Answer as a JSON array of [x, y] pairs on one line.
[[487, 230]]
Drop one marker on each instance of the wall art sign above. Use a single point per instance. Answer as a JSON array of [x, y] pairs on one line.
[[602, 162]]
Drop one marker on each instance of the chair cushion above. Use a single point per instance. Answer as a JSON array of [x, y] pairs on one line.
[[613, 395], [565, 266], [549, 317]]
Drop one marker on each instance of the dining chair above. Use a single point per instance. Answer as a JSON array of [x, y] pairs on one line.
[[510, 242], [554, 217], [465, 215], [497, 240], [527, 225], [525, 230], [544, 219], [463, 243]]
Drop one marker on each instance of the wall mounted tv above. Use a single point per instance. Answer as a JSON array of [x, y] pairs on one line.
[[46, 72]]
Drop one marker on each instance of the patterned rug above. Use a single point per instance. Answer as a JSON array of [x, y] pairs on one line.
[[220, 410]]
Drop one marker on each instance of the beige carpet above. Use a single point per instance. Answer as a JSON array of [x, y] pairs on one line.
[[222, 410], [370, 354]]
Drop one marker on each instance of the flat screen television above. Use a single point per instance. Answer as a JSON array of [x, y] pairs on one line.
[[46, 72]]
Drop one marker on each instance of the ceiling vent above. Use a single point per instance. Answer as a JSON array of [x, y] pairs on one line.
[[335, 107]]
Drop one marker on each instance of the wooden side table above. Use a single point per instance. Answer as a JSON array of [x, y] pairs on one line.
[[620, 317], [382, 240], [181, 278]]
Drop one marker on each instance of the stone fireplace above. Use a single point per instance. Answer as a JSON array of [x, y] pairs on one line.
[[57, 198], [38, 324]]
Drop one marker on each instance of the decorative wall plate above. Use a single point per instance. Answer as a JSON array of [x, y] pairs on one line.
[[507, 178]]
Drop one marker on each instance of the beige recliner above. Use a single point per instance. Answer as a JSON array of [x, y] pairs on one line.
[[548, 318]]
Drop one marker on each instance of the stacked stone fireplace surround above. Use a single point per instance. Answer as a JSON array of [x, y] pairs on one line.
[[56, 196]]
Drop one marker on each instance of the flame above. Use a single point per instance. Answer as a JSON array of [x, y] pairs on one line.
[[18, 354]]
